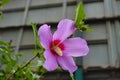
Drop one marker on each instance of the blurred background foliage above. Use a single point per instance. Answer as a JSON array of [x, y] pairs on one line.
[[11, 69]]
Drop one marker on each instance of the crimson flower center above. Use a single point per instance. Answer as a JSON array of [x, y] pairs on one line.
[[56, 47]]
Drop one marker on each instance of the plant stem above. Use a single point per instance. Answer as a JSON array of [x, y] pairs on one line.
[[23, 66], [72, 76]]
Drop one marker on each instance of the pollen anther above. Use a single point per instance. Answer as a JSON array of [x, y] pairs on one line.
[[57, 50]]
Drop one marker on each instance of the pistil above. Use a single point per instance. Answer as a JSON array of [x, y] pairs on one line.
[[57, 50]]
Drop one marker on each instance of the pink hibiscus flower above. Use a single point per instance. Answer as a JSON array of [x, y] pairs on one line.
[[58, 49]]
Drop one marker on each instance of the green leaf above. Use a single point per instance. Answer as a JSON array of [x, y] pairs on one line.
[[35, 33], [1, 4], [36, 36], [35, 76], [79, 19], [35, 51], [5, 1], [80, 14], [89, 30], [1, 15], [1, 73], [39, 63], [2, 43], [28, 74]]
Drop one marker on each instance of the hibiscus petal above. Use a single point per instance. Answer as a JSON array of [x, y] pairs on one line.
[[75, 47], [67, 63], [51, 63], [45, 35], [65, 28]]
